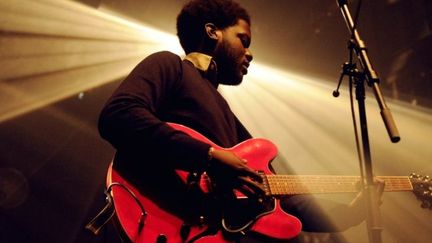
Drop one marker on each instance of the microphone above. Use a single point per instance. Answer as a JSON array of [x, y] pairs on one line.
[[336, 93]]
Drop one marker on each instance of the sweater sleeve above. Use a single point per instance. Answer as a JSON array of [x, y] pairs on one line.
[[129, 119]]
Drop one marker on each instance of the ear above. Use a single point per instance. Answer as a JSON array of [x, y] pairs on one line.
[[212, 31]]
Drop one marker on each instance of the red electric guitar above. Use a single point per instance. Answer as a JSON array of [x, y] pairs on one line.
[[161, 212]]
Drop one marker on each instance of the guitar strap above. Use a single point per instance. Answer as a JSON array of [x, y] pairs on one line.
[[107, 213], [102, 218]]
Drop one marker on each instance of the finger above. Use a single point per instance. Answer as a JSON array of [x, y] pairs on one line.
[[246, 191], [253, 174], [380, 185], [381, 188], [254, 186]]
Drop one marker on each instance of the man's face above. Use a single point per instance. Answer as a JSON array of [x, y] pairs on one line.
[[232, 53]]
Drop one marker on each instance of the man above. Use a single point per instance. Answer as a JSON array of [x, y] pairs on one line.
[[215, 35]]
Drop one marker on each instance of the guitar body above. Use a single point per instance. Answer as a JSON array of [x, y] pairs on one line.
[[156, 223], [162, 224]]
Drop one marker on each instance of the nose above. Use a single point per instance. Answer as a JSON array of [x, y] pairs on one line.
[[248, 55]]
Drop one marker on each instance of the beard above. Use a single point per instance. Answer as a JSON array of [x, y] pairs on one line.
[[229, 64]]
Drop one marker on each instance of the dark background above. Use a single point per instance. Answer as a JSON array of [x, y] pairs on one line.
[[311, 37]]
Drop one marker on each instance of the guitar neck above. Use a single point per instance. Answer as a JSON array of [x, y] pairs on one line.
[[278, 185]]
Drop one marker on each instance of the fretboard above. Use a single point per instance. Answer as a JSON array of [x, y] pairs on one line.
[[304, 184]]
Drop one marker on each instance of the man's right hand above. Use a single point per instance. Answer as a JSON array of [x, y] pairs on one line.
[[232, 172]]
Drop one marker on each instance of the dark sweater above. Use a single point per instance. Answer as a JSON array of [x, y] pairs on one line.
[[163, 88]]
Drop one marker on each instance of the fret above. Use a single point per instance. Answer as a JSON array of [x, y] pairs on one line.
[[299, 184], [397, 183]]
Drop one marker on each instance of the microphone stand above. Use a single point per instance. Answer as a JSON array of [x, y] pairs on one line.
[[367, 74]]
